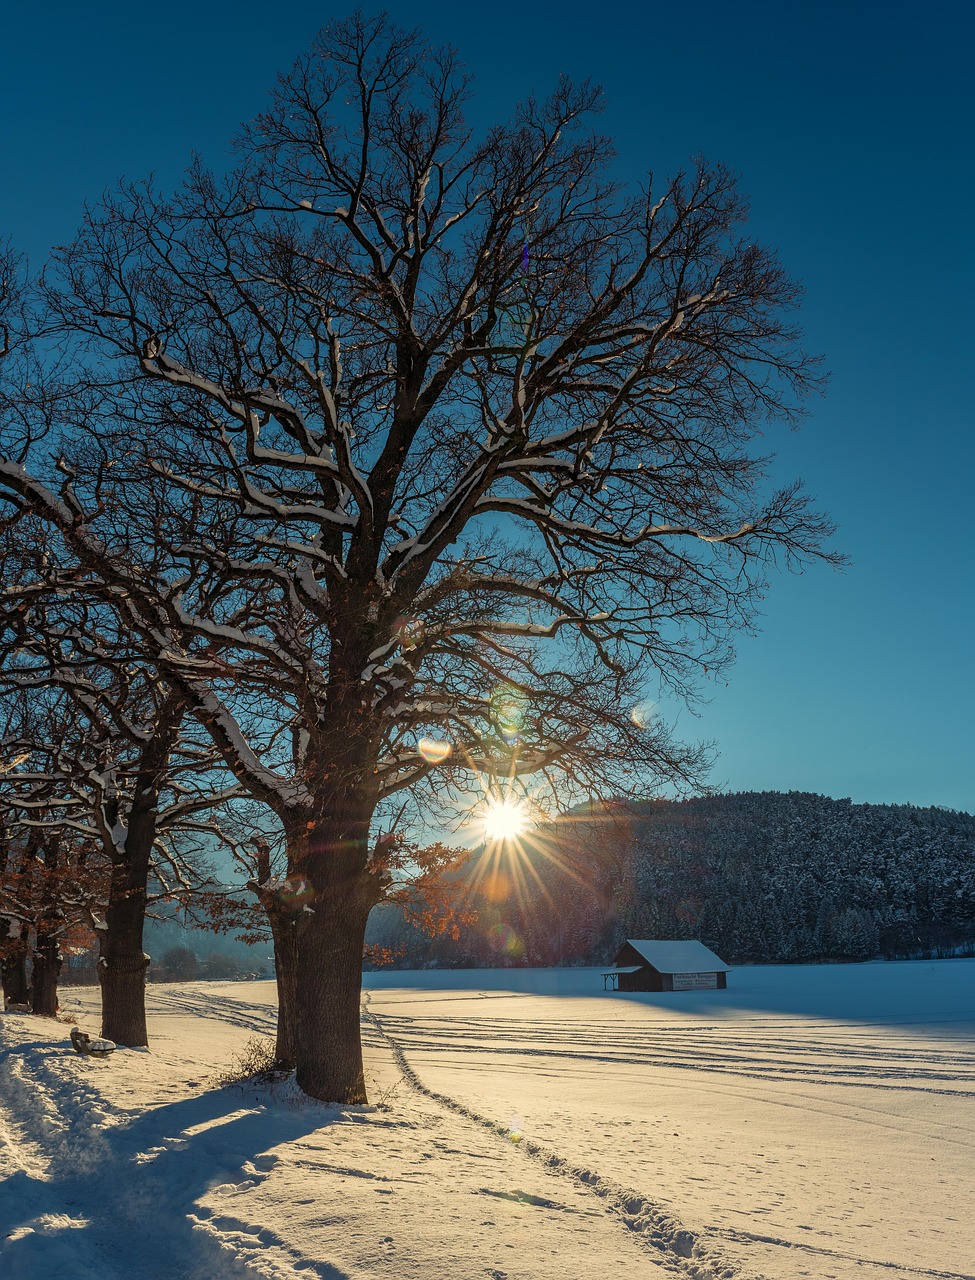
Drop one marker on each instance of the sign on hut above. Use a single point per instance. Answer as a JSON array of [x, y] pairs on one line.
[[644, 964]]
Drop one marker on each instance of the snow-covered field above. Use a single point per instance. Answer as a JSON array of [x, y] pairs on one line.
[[808, 1122]]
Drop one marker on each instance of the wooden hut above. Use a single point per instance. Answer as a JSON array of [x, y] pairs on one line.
[[645, 964]]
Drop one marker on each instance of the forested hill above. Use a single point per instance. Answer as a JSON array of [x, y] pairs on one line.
[[760, 876]]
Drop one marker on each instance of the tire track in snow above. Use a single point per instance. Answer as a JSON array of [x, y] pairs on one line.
[[753, 1237], [641, 1214], [867, 1057], [661, 1234], [246, 1014], [732, 1059]]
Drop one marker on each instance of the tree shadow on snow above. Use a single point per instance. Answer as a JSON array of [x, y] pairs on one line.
[[121, 1202]]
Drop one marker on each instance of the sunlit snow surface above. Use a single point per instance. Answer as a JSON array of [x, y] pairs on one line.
[[811, 1121]]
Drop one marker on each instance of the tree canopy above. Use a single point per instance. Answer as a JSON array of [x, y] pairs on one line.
[[411, 457]]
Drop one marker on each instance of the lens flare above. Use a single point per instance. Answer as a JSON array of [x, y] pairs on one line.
[[496, 886], [505, 819], [508, 707], [433, 750], [505, 942], [297, 892], [644, 713], [516, 1129], [409, 632]]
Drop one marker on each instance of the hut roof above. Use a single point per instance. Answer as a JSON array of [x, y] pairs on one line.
[[689, 956]]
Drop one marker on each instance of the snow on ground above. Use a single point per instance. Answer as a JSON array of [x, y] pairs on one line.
[[810, 1122]]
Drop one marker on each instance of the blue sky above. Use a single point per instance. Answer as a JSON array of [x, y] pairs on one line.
[[850, 125]]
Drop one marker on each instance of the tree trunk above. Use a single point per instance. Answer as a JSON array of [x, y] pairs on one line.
[[13, 931], [282, 919], [330, 937], [284, 934], [121, 963], [16, 988], [47, 950], [328, 993], [122, 977], [45, 974]]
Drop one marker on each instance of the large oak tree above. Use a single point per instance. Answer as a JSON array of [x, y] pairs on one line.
[[465, 429]]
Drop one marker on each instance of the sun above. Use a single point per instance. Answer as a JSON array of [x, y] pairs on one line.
[[505, 819]]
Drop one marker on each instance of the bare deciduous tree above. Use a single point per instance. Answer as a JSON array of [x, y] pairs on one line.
[[462, 427], [108, 761]]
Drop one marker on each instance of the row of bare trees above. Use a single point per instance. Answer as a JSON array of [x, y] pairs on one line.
[[110, 788], [399, 463], [115, 801]]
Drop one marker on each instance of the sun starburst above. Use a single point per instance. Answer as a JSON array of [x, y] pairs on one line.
[[505, 818]]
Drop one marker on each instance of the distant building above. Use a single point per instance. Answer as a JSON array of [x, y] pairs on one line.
[[644, 964]]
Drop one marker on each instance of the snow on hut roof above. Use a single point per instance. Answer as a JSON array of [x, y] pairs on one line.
[[678, 956]]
